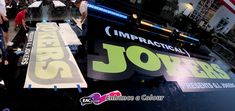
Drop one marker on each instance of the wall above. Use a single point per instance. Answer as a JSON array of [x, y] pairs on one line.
[[221, 13]]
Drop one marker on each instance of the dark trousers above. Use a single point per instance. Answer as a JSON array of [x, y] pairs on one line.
[[2, 45], [20, 38]]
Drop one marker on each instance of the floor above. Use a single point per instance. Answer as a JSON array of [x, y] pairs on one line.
[[12, 32]]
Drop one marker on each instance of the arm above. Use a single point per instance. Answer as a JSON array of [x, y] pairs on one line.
[[83, 11], [84, 15], [0, 19], [10, 4], [23, 21], [3, 17], [24, 25]]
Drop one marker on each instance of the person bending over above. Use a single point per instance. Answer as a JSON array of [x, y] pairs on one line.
[[20, 19]]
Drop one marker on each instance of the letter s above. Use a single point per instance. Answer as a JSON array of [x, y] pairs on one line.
[[52, 69], [223, 74]]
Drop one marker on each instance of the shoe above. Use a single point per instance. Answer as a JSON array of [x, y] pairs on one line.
[[1, 82], [6, 62], [17, 28], [10, 43]]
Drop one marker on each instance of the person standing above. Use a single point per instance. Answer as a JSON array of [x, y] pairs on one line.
[[5, 24], [2, 46], [13, 10], [82, 5]]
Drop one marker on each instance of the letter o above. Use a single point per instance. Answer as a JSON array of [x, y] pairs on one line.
[[134, 54]]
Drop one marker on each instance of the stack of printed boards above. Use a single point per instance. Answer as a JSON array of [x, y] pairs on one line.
[[51, 61]]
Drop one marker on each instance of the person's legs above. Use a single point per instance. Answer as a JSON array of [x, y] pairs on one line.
[[4, 53], [22, 36], [22, 32], [6, 36], [5, 26], [2, 47]]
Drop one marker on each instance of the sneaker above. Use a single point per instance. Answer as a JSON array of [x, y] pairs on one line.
[[17, 28], [6, 62], [1, 82], [10, 43]]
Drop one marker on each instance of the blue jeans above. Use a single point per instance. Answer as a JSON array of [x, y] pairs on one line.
[[2, 45]]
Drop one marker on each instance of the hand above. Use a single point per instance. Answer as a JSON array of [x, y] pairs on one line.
[[81, 21], [78, 20], [0, 21], [4, 18]]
